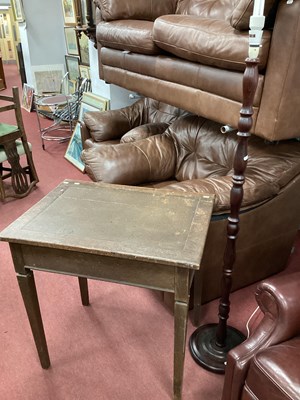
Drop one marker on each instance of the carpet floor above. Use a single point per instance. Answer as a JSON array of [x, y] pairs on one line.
[[119, 348]]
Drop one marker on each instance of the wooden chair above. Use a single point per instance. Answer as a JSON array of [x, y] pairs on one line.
[[13, 144]]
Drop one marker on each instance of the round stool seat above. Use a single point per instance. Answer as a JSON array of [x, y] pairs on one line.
[[57, 100]]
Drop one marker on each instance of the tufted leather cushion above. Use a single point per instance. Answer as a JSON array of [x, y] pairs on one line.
[[206, 8], [204, 162], [204, 152], [274, 372], [208, 41], [128, 35], [138, 9], [200, 157], [238, 12]]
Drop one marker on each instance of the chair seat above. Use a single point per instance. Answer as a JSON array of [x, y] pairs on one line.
[[274, 372], [20, 150], [6, 129]]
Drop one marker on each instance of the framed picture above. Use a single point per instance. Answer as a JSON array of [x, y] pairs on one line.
[[47, 80], [71, 41], [84, 108], [84, 71], [18, 10], [74, 149], [84, 54], [71, 87], [95, 100], [69, 12], [72, 64], [27, 97], [83, 12]]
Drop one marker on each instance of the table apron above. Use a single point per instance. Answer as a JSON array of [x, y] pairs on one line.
[[107, 268]]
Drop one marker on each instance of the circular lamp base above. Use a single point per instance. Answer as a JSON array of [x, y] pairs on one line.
[[206, 353]]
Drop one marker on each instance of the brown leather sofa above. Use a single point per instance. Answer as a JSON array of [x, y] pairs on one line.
[[190, 54], [193, 155], [267, 365]]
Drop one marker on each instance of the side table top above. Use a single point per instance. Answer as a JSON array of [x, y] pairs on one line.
[[153, 225]]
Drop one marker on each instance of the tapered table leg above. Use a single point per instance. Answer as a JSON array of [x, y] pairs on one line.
[[29, 294], [181, 307], [84, 291]]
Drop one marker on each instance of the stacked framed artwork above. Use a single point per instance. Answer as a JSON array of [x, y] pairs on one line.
[[90, 102], [77, 44], [77, 16]]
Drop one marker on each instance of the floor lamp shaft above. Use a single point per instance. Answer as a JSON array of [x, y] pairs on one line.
[[250, 81]]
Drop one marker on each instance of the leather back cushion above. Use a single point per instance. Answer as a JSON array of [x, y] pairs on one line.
[[138, 9], [238, 12], [156, 111]]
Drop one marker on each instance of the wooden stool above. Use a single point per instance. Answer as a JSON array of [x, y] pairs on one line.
[[13, 143]]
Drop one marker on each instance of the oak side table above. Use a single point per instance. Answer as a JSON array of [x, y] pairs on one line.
[[143, 237]]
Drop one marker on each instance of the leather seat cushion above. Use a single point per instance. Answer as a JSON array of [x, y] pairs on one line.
[[208, 41], [274, 372], [128, 35]]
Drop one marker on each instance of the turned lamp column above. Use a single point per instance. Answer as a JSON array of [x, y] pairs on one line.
[[209, 344]]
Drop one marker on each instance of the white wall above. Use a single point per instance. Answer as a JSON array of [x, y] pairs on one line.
[[42, 36], [43, 44], [119, 97]]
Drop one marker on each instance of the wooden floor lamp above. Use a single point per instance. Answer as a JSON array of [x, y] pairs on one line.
[[209, 344]]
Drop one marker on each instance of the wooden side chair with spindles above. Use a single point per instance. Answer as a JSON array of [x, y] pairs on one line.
[[13, 144]]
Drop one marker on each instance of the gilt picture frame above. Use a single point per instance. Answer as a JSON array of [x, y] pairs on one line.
[[71, 41], [18, 10], [74, 149], [95, 100], [69, 12], [83, 44], [27, 97], [84, 71], [72, 65], [84, 108]]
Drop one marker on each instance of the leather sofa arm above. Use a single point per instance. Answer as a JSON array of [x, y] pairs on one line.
[[85, 133], [113, 124], [112, 10], [278, 299], [147, 160], [255, 190]]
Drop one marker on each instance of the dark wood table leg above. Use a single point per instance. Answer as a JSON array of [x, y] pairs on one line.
[[84, 291], [181, 307], [198, 279], [29, 294]]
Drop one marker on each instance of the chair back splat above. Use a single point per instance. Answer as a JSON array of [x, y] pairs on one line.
[[13, 144]]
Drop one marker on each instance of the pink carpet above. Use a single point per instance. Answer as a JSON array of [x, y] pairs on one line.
[[121, 347]]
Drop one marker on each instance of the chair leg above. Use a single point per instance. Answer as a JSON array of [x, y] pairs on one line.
[[2, 191], [32, 170]]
